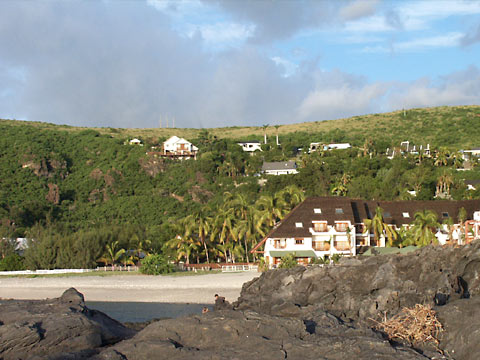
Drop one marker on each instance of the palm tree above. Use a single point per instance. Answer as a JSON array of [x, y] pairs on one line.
[[200, 224], [443, 184], [111, 255], [264, 127], [339, 190], [223, 227], [276, 128], [292, 196], [424, 227], [442, 157], [271, 209], [184, 247], [380, 228]]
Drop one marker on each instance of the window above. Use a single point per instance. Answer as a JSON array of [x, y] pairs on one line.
[[280, 244], [445, 214], [317, 211], [341, 227], [298, 224], [406, 215], [320, 227], [387, 214], [338, 211], [299, 241]]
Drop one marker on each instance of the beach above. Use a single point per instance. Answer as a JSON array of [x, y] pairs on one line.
[[199, 289]]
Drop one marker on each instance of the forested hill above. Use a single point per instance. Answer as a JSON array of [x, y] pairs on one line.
[[89, 189], [453, 126]]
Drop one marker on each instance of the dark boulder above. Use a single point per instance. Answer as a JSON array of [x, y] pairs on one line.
[[360, 289], [248, 335], [461, 322], [62, 328]]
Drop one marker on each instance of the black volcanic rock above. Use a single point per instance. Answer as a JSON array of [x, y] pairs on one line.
[[370, 287], [232, 335], [62, 328], [300, 313]]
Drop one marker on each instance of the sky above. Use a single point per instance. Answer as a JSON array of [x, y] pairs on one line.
[[215, 63]]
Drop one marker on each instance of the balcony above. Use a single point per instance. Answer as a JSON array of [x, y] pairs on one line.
[[279, 244], [342, 245], [320, 227], [321, 245]]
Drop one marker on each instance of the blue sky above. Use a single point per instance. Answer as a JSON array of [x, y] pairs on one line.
[[211, 63]]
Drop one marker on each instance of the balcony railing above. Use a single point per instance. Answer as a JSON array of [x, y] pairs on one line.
[[320, 227], [280, 245], [342, 245], [321, 245]]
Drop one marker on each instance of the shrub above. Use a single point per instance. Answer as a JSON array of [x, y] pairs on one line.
[[320, 261], [262, 265], [155, 264], [288, 261], [12, 262]]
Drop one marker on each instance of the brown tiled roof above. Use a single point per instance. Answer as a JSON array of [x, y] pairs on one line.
[[356, 211], [305, 214]]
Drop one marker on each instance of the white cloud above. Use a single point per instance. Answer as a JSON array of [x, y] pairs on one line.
[[418, 45], [223, 33], [458, 88], [358, 9], [448, 40], [288, 67], [340, 95]]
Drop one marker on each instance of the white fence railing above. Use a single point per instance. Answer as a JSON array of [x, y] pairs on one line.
[[69, 271], [43, 272], [235, 268]]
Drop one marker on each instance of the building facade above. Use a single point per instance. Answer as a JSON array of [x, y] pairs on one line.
[[325, 226], [179, 148]]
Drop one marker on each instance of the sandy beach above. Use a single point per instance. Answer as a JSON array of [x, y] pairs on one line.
[[139, 288]]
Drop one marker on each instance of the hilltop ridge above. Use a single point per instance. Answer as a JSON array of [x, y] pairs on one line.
[[444, 125]]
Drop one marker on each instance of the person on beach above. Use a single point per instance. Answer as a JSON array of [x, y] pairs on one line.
[[220, 303], [205, 310]]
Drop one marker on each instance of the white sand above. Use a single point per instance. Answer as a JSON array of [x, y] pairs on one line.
[[141, 288]]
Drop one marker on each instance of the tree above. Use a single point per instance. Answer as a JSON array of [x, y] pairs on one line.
[[424, 227], [276, 132], [155, 264], [292, 196], [200, 224], [271, 209], [380, 228], [442, 157], [223, 228], [112, 254], [264, 127], [339, 190], [288, 261]]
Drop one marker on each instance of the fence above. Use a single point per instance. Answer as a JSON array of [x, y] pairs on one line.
[[69, 271], [235, 268]]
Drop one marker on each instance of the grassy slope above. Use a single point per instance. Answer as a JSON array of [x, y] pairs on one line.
[[453, 126]]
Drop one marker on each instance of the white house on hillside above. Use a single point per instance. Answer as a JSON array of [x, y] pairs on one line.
[[135, 142], [325, 147], [280, 168], [250, 146], [176, 147]]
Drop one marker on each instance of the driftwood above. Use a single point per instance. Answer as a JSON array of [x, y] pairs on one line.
[[414, 325]]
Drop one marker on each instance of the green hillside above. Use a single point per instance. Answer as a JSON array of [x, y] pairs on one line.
[[82, 193], [454, 126]]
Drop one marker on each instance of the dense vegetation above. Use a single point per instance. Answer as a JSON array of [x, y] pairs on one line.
[[84, 196]]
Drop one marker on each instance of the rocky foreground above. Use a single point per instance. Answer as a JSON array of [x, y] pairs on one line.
[[301, 313]]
